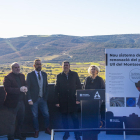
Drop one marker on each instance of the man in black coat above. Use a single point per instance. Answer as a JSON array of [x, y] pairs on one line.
[[65, 89], [14, 86], [37, 96]]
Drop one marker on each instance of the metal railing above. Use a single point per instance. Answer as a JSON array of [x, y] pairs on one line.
[[92, 129]]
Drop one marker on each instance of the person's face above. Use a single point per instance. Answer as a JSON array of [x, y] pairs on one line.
[[16, 69], [66, 67], [93, 71], [38, 66]]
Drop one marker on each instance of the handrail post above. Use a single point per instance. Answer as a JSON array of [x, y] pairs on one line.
[[52, 134], [124, 131]]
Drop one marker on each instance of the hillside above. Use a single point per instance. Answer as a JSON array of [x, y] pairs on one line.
[[57, 48]]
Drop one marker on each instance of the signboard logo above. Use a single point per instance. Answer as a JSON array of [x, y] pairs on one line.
[[114, 120], [97, 95], [84, 95]]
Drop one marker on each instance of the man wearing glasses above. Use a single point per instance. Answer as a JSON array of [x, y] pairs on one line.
[[37, 95]]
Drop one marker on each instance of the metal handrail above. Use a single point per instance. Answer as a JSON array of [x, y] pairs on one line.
[[92, 129]]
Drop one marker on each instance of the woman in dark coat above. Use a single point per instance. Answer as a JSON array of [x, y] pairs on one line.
[[94, 81]]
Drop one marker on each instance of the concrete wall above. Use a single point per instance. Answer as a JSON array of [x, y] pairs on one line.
[[55, 117], [5, 116]]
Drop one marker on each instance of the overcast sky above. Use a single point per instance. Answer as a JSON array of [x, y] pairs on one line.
[[69, 17]]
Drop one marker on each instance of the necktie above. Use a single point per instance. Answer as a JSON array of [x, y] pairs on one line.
[[39, 77]]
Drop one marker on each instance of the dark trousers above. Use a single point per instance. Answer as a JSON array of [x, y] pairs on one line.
[[74, 118], [42, 105], [16, 114]]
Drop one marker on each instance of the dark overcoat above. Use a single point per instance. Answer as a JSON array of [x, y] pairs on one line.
[[65, 91], [33, 87], [12, 90], [97, 83]]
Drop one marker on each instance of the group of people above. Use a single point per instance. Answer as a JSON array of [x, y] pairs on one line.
[[36, 89]]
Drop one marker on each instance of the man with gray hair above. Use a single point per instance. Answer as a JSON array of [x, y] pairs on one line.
[[15, 88]]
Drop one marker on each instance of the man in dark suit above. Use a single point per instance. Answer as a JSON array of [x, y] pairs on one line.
[[14, 85], [65, 89], [37, 95]]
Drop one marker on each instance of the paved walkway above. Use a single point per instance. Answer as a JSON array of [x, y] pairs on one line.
[[59, 135]]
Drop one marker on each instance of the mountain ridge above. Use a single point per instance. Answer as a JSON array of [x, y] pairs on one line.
[[57, 48]]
